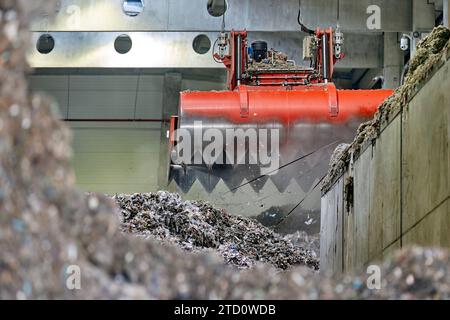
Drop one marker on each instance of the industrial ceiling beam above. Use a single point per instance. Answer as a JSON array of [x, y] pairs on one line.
[[175, 50], [253, 15], [97, 50]]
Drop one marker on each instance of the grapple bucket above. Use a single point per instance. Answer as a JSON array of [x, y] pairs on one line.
[[311, 121]]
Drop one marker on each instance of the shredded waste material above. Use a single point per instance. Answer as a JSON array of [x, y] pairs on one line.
[[48, 227], [276, 60], [432, 52], [307, 241], [414, 273], [197, 225]]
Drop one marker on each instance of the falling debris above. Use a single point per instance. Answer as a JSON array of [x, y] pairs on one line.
[[305, 240], [431, 54], [197, 225]]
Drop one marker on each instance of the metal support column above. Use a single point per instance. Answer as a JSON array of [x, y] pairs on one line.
[[393, 61], [171, 100], [446, 13]]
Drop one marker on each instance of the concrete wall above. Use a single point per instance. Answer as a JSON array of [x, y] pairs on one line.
[[111, 157], [401, 186], [103, 96], [116, 157]]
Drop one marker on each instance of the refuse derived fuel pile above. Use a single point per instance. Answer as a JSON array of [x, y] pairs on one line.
[[46, 225], [198, 225]]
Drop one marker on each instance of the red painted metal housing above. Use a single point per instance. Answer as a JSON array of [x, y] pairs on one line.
[[287, 105]]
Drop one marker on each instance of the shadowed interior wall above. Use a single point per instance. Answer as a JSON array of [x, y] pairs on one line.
[[113, 157]]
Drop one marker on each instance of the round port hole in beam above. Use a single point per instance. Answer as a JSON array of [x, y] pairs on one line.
[[201, 44], [45, 44], [123, 44]]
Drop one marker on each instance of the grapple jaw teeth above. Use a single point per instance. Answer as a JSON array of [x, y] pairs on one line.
[[305, 173]]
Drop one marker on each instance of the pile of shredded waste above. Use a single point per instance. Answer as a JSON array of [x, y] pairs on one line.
[[51, 233], [197, 225], [276, 60], [415, 273], [432, 52]]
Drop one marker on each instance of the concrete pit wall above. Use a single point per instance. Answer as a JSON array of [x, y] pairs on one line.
[[397, 192]]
